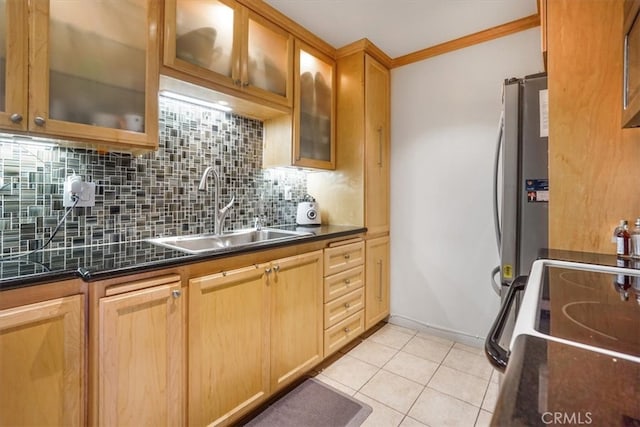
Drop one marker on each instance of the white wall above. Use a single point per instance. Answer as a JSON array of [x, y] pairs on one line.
[[444, 114]]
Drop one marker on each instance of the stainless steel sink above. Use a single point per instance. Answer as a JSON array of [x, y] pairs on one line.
[[210, 242]]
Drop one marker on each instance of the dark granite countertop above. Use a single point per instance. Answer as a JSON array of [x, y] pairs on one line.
[[111, 260], [550, 383]]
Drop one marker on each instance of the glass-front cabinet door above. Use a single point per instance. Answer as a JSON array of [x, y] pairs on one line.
[[314, 109], [13, 64], [94, 70], [201, 38], [268, 60], [222, 42]]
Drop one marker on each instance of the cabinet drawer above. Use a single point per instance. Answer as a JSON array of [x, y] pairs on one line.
[[341, 258], [342, 283], [343, 307], [340, 334]]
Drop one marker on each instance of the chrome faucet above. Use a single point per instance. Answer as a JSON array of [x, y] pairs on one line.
[[220, 214]]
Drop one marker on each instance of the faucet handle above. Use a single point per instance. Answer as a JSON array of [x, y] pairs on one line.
[[228, 206], [257, 223]]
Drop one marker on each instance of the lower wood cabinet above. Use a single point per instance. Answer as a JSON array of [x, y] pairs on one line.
[[42, 359], [344, 299], [251, 331], [377, 280], [296, 316], [141, 354], [228, 344]]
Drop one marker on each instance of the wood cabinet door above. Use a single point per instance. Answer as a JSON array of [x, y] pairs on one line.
[[42, 360], [377, 281], [228, 345], [92, 81], [377, 147], [631, 64], [13, 64], [204, 39], [296, 316], [314, 109], [267, 60], [141, 357]]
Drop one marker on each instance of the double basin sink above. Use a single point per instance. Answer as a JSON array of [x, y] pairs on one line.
[[198, 243]]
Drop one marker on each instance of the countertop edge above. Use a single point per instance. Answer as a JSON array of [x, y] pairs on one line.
[[91, 276]]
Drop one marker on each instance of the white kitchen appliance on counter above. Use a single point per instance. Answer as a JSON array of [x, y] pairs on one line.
[[308, 212]]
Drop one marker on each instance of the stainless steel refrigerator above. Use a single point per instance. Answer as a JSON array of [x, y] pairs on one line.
[[522, 194], [521, 201]]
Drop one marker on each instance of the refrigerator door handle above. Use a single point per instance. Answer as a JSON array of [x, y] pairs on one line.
[[496, 164], [497, 355], [494, 284]]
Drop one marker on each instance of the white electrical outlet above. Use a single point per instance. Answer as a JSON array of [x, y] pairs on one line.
[[85, 191], [87, 195]]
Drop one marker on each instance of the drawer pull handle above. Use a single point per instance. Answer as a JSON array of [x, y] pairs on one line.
[[347, 256], [347, 305], [347, 281], [347, 330], [176, 293]]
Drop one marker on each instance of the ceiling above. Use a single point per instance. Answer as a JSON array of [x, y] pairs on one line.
[[399, 27]]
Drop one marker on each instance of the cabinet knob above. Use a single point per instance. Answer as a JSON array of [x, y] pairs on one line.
[[347, 256], [40, 121], [176, 293], [347, 281], [267, 270], [245, 84], [237, 82], [16, 118], [276, 268], [347, 305], [347, 330]]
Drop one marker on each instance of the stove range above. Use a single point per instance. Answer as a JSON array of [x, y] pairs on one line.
[[590, 306]]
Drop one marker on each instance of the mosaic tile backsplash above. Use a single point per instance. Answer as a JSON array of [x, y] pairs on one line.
[[138, 197]]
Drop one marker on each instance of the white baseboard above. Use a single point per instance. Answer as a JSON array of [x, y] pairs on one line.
[[461, 337]]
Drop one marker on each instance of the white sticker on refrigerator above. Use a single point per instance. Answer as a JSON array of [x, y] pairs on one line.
[[544, 113], [537, 190]]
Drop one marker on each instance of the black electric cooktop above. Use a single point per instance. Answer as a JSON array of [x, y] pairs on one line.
[[596, 308]]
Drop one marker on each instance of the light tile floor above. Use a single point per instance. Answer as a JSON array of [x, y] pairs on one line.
[[411, 378]]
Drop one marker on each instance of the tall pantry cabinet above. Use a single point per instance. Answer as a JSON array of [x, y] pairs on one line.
[[357, 192]]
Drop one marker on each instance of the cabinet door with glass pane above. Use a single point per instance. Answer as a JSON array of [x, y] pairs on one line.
[[202, 39], [13, 65], [220, 42], [268, 60], [314, 109], [94, 70]]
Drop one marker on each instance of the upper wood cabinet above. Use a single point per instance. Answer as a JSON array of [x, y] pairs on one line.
[[377, 148], [13, 65], [307, 137], [631, 93], [542, 12], [314, 112], [358, 191], [224, 43], [64, 75], [42, 360]]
